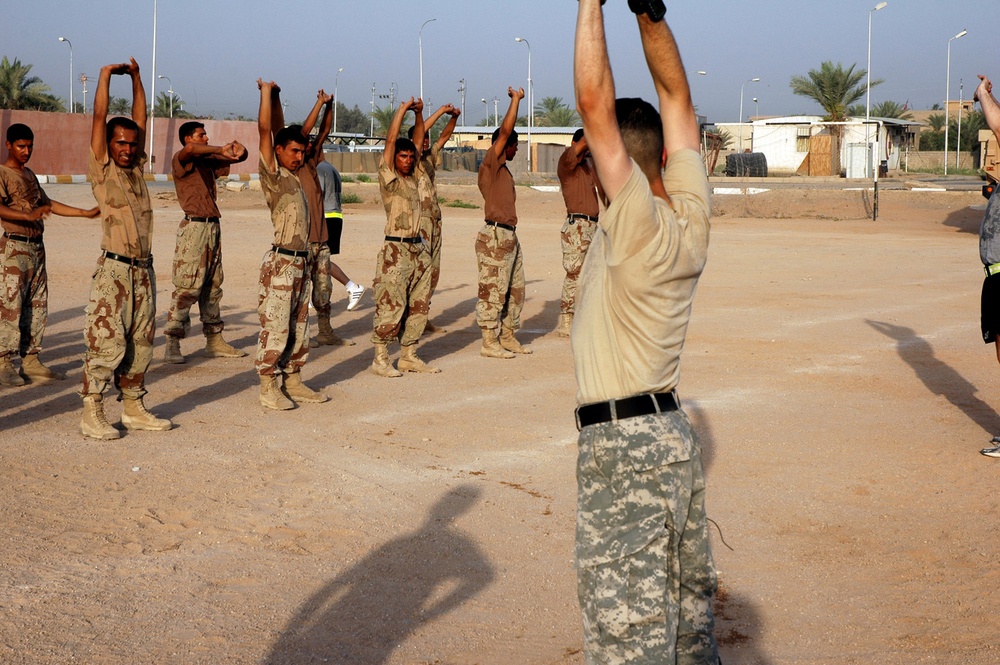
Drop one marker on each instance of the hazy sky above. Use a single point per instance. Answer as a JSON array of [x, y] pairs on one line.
[[213, 51]]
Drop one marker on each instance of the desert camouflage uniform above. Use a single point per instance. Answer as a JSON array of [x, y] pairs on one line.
[[430, 213], [283, 304], [576, 236], [197, 278], [645, 567], [402, 279], [322, 280], [121, 314], [501, 278], [24, 292]]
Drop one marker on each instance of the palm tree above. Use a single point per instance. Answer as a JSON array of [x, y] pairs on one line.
[[833, 88], [552, 112], [383, 120], [162, 108], [936, 121], [20, 91], [891, 109], [119, 106]]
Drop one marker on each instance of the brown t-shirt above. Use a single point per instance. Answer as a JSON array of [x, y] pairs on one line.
[[126, 214], [401, 201], [195, 184], [313, 190], [576, 179], [289, 209], [497, 187], [20, 191]]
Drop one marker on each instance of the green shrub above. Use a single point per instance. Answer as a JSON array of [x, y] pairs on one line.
[[458, 203], [364, 177], [351, 197]]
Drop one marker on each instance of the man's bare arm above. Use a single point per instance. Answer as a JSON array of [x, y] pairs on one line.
[[264, 122], [389, 152], [680, 127], [64, 210], [595, 99], [138, 100], [449, 129], [277, 110], [419, 128], [509, 120], [34, 215], [321, 99], [231, 152], [99, 128], [991, 109]]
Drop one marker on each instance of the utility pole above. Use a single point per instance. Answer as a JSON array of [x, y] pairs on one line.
[[372, 131], [461, 89]]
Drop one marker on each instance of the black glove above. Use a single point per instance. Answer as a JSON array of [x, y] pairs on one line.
[[654, 8]]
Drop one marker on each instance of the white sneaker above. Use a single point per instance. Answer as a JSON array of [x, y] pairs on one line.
[[354, 296]]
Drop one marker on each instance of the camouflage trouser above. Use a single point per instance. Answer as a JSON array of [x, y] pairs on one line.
[[402, 292], [197, 278], [430, 231], [283, 307], [23, 299], [576, 236], [121, 320], [322, 283], [644, 567], [501, 278]]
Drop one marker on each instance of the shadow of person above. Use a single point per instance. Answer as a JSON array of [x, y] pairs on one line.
[[367, 611], [738, 626], [939, 378], [703, 427], [966, 220]]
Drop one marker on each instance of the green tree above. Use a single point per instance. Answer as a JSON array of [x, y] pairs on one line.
[[119, 106], [163, 105], [23, 92], [833, 88], [891, 109], [552, 112], [936, 121], [351, 121], [383, 120]]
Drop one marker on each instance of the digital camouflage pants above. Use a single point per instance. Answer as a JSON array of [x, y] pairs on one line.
[[430, 231], [644, 566], [322, 282], [576, 236], [501, 278], [197, 278], [402, 292], [121, 321], [23, 299], [283, 307]]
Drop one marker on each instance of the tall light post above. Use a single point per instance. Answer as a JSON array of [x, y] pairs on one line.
[[739, 139], [756, 108], [487, 105], [336, 82], [958, 141], [83, 80], [152, 96], [420, 44], [63, 39], [170, 93], [461, 89], [371, 132], [947, 98], [868, 83], [531, 99]]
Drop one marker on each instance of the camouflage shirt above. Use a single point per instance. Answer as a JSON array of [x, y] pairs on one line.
[[289, 209], [126, 214], [401, 200], [21, 192], [426, 173]]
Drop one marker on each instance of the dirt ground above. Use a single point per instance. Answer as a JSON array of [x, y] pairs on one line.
[[834, 369]]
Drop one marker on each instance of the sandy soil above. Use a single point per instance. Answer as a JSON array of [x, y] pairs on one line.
[[834, 369]]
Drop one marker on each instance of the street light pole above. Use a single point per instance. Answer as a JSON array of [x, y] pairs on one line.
[[83, 80], [170, 93], [868, 83], [958, 142], [420, 44], [487, 105], [152, 96], [496, 111], [461, 89], [531, 100], [739, 140], [947, 98], [336, 82], [756, 108], [372, 130], [63, 39]]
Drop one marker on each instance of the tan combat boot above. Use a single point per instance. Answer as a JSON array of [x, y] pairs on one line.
[[300, 392], [172, 354], [33, 368], [326, 336], [216, 347], [491, 346], [509, 342], [271, 395], [135, 416], [409, 362], [382, 365], [9, 375], [94, 423], [565, 324]]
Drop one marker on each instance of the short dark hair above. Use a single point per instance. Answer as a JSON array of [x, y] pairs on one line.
[[290, 134], [411, 131], [187, 129], [642, 133], [125, 123], [405, 145], [19, 132], [511, 140], [577, 135]]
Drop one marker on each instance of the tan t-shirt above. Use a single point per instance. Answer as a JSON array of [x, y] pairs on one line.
[[576, 180], [401, 201], [289, 209], [194, 183], [496, 184], [426, 186], [21, 192], [126, 214], [638, 282], [313, 190]]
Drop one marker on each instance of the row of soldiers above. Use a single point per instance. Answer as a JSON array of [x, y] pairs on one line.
[[303, 191]]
